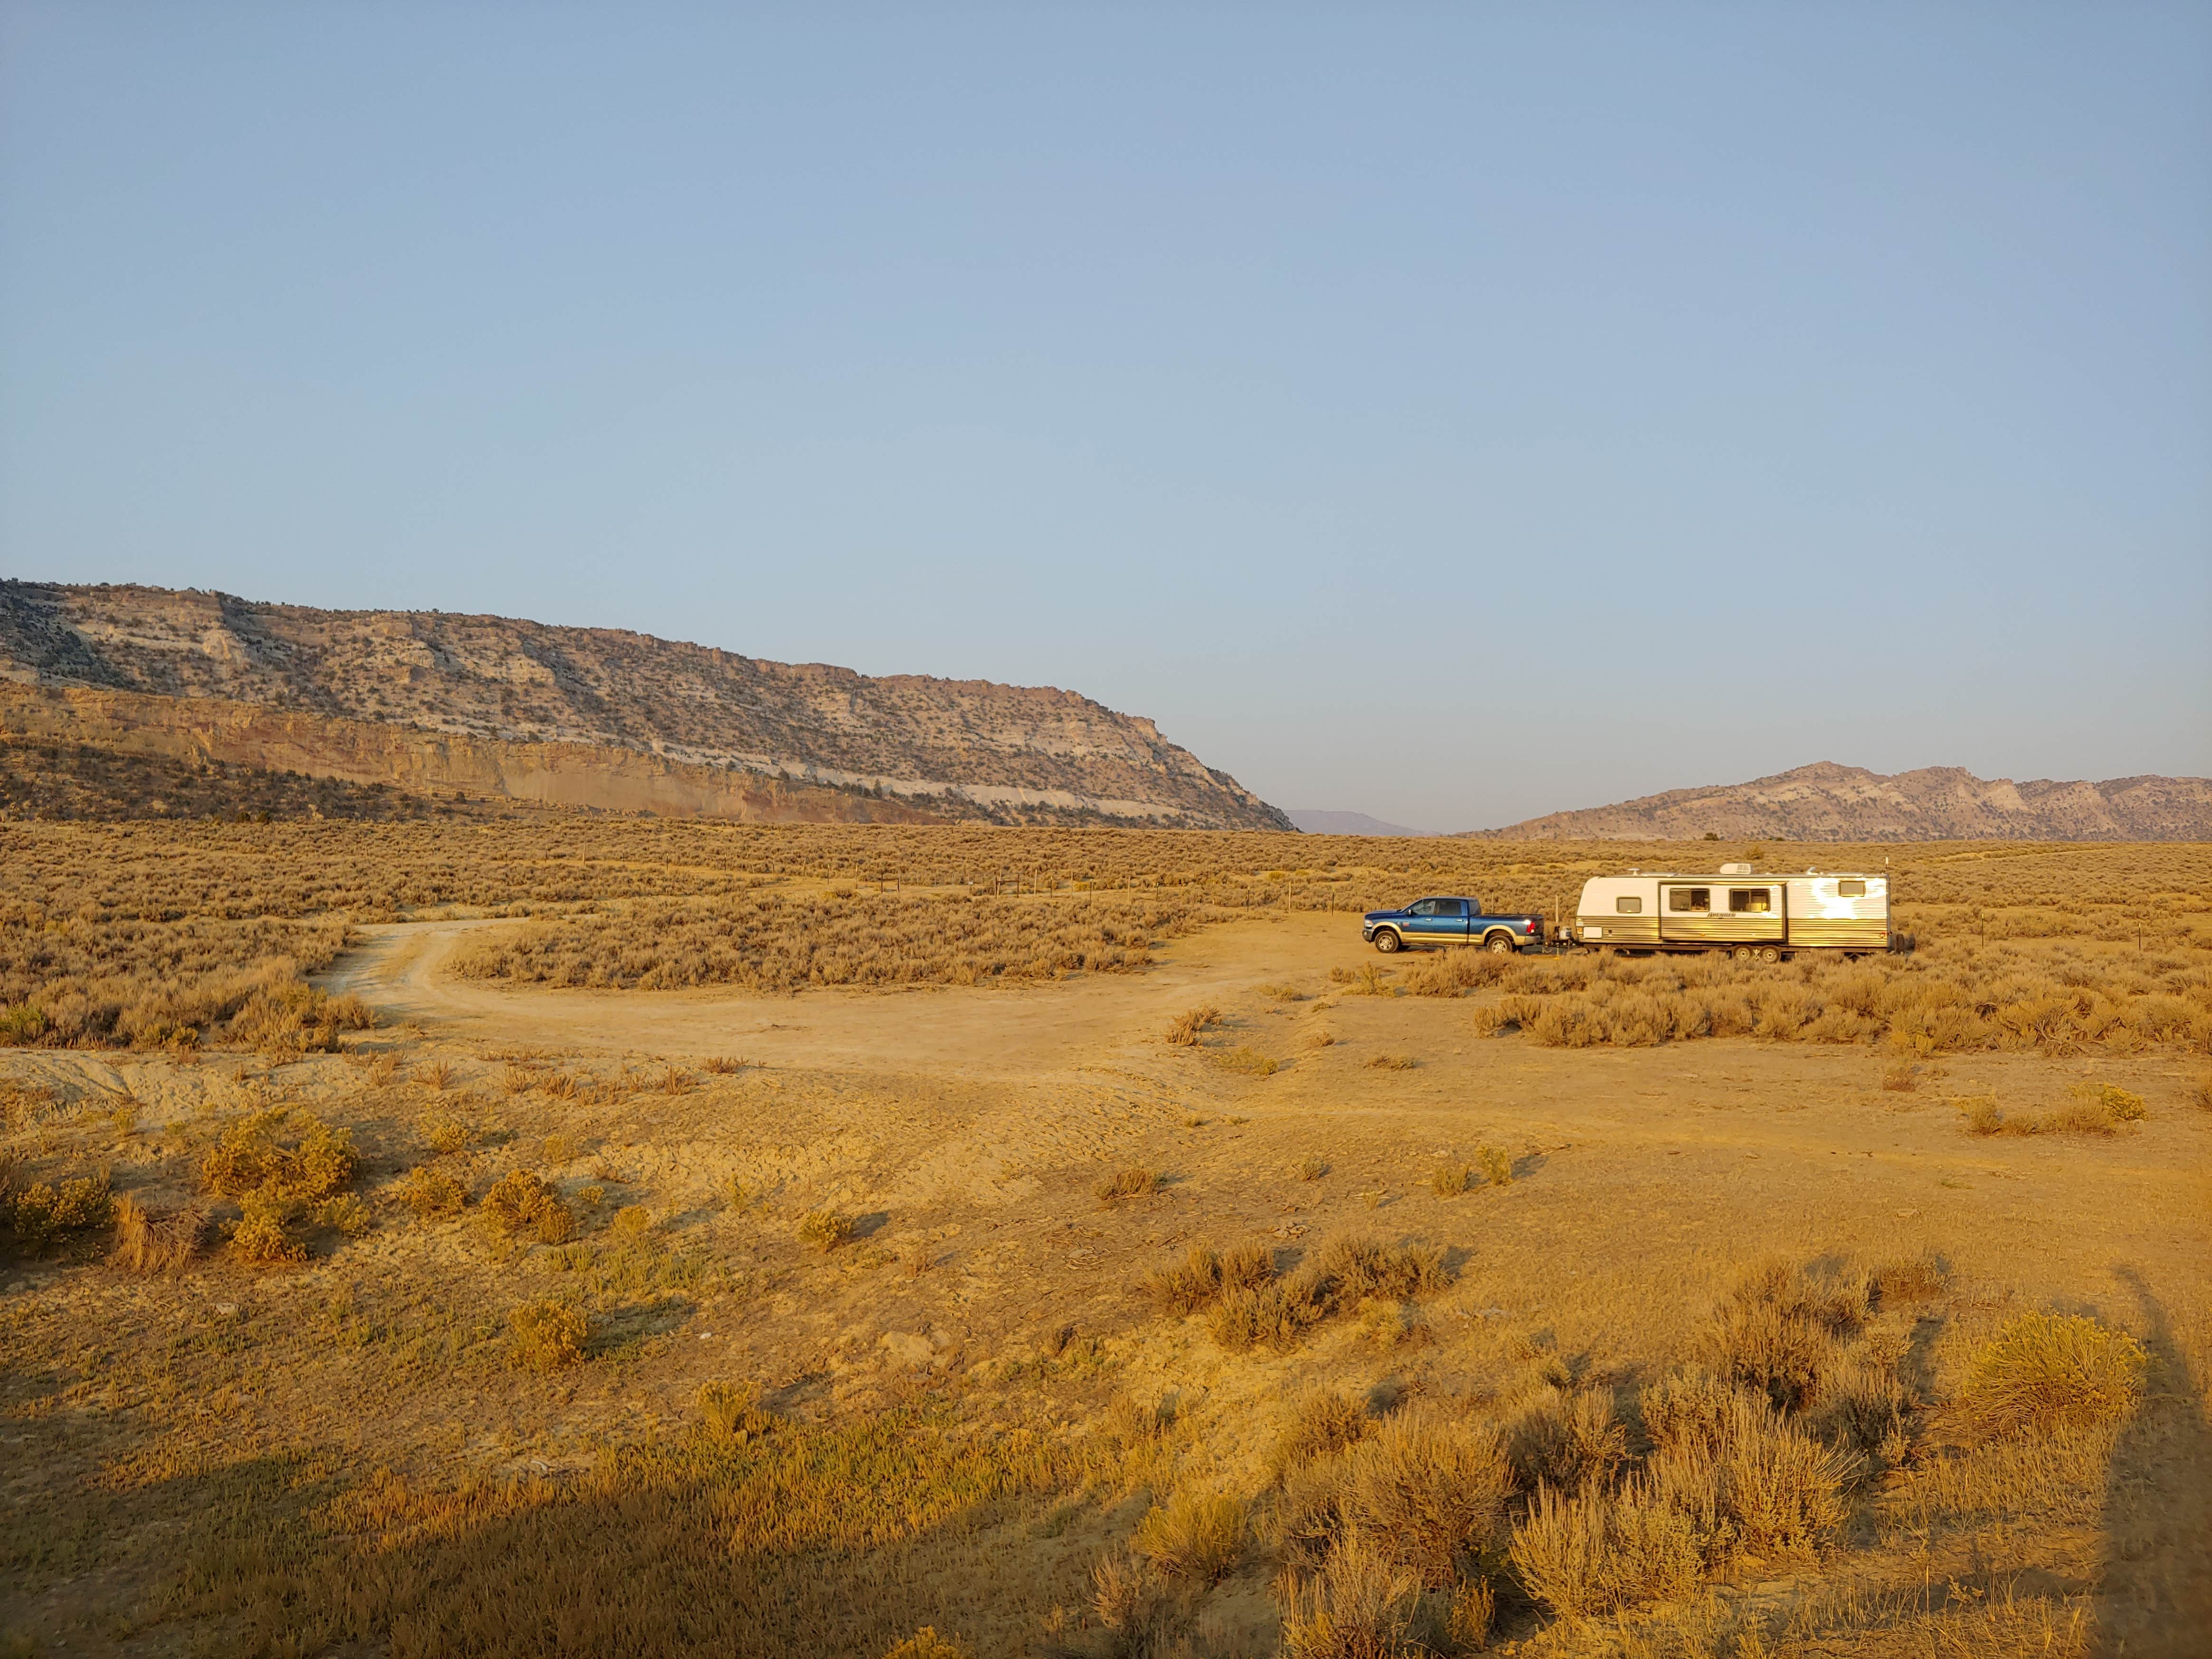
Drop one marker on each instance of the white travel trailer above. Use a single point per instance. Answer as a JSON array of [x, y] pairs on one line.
[[1756, 917]]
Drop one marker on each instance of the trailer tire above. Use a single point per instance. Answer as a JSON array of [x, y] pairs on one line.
[[1769, 955], [1387, 940], [1499, 945], [1744, 953]]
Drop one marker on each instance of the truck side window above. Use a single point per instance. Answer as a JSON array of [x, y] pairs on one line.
[[1422, 907], [1750, 901], [1850, 890], [1451, 907], [1629, 907], [1694, 899]]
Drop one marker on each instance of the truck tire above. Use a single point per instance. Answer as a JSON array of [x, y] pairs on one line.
[[1387, 940], [1499, 944]]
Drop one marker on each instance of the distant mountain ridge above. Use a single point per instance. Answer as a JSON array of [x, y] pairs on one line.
[[1828, 802], [586, 715], [1319, 821]]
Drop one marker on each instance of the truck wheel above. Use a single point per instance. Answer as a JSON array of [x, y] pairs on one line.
[[1500, 945], [1388, 940]]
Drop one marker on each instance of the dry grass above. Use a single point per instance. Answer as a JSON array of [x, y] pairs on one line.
[[1184, 1030], [1202, 1277], [1324, 1424], [1567, 1443], [1391, 1063], [1126, 1184], [1246, 1061], [731, 1412], [1497, 1168], [2059, 950], [1427, 1491], [1310, 1166], [1358, 1605], [1336, 1279], [1194, 1537], [1449, 1180], [146, 1242], [881, 1498], [1778, 1327], [2095, 1109]]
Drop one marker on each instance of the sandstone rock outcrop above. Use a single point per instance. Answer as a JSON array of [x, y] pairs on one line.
[[598, 717]]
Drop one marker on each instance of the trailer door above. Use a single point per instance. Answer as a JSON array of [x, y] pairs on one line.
[[1755, 913], [1686, 911]]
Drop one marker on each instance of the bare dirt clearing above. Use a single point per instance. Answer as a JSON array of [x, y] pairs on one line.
[[905, 1231]]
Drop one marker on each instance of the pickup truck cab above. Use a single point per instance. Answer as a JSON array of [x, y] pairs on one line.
[[1433, 923]]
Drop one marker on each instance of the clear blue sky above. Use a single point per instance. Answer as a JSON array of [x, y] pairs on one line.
[[1449, 413]]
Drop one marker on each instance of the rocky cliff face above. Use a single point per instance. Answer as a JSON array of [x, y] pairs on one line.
[[511, 700], [1828, 802]]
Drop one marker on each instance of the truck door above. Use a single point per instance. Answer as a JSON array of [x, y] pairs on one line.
[[1435, 921]]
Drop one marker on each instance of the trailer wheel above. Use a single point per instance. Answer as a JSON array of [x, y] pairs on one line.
[[1388, 940], [1743, 953], [1770, 956], [1499, 945]]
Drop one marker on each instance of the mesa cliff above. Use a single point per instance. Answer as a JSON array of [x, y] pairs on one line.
[[577, 716], [1828, 802]]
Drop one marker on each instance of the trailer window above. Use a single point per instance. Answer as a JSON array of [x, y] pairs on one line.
[[1750, 901], [1850, 890], [1629, 907], [1696, 900]]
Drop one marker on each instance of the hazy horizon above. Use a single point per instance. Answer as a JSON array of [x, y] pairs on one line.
[[1451, 419]]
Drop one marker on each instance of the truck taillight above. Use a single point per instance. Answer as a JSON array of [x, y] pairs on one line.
[[1532, 926]]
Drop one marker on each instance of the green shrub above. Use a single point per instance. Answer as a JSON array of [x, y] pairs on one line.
[[521, 1201], [732, 1412], [548, 1335], [43, 1211], [431, 1194], [821, 1229], [263, 1235], [2047, 1371], [926, 1643]]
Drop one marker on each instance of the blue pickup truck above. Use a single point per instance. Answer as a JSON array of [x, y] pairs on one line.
[[1435, 922]]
